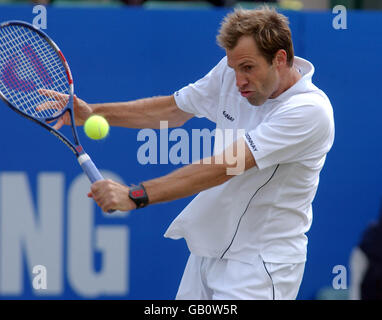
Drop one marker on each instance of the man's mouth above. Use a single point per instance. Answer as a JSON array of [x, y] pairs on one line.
[[246, 94]]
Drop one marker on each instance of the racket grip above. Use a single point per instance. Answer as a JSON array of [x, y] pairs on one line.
[[90, 169]]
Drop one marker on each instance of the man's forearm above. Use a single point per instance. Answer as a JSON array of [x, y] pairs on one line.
[[181, 183], [142, 113], [185, 182], [197, 177]]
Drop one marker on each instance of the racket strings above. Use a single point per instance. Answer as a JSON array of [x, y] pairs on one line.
[[28, 63]]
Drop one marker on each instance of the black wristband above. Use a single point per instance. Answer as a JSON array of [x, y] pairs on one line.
[[139, 196]]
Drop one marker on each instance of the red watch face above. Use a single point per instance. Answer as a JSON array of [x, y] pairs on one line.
[[137, 193]]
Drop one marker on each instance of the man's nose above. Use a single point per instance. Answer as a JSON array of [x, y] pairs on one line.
[[241, 80]]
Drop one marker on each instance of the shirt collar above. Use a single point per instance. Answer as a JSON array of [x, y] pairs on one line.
[[306, 69]]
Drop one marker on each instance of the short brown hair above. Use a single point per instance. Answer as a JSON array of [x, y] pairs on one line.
[[269, 29]]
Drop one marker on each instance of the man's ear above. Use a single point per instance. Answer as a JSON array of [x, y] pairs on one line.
[[280, 58]]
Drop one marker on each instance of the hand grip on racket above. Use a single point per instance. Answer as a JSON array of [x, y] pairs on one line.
[[31, 63]]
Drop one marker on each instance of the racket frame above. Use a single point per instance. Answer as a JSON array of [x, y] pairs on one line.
[[83, 158], [76, 148]]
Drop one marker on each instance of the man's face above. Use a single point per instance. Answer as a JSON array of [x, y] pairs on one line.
[[255, 78]]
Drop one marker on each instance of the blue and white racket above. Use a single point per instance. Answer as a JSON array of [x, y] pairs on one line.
[[29, 62]]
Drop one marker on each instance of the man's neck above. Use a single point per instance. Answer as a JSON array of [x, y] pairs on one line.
[[291, 77]]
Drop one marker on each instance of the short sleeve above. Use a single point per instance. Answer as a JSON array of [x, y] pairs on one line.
[[292, 134], [202, 97]]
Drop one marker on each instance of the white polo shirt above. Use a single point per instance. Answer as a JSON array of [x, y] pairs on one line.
[[268, 209]]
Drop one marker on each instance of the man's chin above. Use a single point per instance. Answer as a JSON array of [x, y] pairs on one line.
[[256, 101]]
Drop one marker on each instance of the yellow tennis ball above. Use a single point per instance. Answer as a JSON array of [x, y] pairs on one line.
[[96, 127]]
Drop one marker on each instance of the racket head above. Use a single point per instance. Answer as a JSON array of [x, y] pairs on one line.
[[29, 62]]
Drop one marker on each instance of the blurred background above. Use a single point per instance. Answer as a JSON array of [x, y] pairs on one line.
[[124, 50], [287, 4]]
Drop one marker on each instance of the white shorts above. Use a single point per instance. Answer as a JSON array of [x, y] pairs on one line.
[[223, 279]]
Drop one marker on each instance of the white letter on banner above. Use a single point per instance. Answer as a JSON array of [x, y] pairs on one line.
[[85, 238], [29, 230]]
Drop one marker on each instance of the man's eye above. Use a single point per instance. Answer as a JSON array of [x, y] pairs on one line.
[[247, 68]]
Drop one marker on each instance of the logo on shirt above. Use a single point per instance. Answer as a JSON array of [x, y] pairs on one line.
[[250, 141], [228, 116]]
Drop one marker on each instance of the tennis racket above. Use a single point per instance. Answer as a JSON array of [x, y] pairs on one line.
[[31, 63]]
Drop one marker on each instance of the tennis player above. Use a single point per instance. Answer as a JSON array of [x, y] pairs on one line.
[[245, 232]]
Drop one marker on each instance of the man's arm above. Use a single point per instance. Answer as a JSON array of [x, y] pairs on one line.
[[181, 183], [143, 113]]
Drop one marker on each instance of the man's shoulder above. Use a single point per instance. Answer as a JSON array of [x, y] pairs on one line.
[[306, 105], [311, 96], [222, 64]]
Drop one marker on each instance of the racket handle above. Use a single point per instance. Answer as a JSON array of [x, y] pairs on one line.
[[90, 169]]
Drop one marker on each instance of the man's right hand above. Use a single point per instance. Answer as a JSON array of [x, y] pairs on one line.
[[81, 109]]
